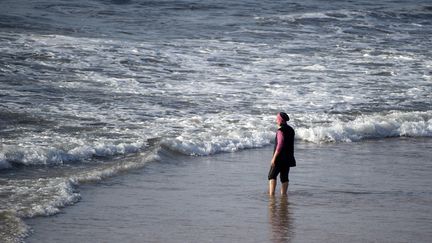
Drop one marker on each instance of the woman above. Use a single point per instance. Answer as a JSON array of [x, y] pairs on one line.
[[283, 154]]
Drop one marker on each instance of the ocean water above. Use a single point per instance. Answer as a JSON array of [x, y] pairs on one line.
[[375, 191], [86, 85]]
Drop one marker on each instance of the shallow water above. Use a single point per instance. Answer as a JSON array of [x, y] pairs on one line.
[[377, 191]]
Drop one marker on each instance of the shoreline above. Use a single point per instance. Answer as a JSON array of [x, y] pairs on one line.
[[336, 193]]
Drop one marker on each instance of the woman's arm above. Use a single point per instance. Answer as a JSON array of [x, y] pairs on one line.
[[280, 141]]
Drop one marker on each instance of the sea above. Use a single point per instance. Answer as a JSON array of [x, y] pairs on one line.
[[87, 85]]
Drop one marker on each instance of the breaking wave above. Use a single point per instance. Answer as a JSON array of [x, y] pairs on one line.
[[310, 128]]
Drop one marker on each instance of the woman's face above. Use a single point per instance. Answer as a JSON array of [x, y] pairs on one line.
[[277, 121]]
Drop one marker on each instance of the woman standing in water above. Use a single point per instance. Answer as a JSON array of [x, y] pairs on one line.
[[283, 154]]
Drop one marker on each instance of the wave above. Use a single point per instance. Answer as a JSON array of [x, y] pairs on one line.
[[35, 155], [44, 196], [315, 67], [315, 128], [207, 145], [342, 15], [4, 164], [206, 135], [394, 124], [27, 198], [12, 228]]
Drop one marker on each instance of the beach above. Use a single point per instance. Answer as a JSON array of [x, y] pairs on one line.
[[154, 121], [376, 191]]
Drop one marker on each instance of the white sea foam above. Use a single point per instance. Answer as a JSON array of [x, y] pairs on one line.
[[34, 155], [102, 172], [104, 150], [315, 67], [394, 124], [343, 15], [207, 145], [3, 162], [293, 17], [212, 135], [29, 198], [46, 196], [215, 133], [58, 194], [12, 228], [33, 197]]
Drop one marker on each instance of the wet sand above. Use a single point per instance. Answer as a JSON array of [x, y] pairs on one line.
[[375, 191]]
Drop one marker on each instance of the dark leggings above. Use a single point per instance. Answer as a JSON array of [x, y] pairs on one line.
[[278, 168]]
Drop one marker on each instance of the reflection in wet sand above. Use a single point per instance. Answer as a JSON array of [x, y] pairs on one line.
[[280, 219]]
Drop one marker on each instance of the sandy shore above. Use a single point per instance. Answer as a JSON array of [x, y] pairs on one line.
[[376, 191]]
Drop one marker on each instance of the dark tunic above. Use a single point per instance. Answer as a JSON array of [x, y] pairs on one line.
[[286, 155]]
